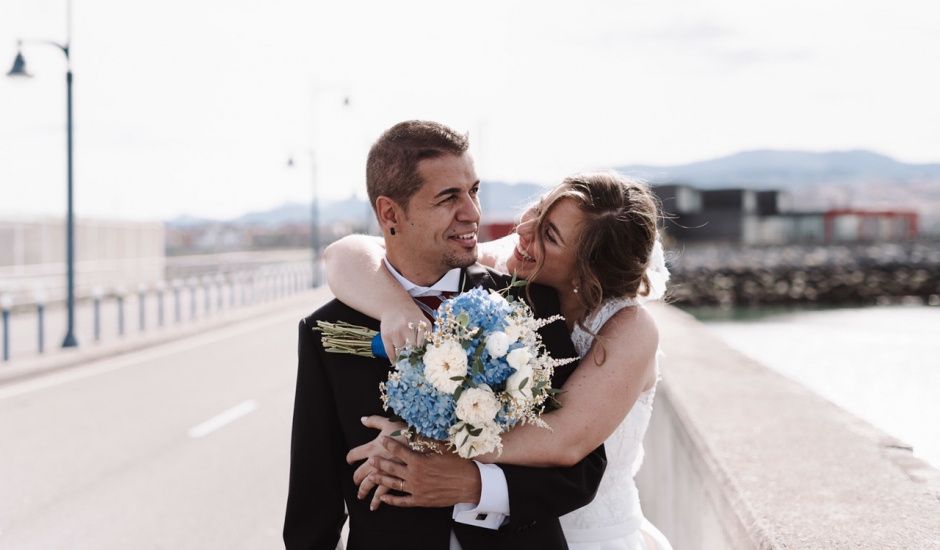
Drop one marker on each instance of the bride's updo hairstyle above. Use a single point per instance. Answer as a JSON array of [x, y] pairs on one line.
[[617, 234]]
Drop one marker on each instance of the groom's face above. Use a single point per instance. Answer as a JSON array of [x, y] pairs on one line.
[[439, 232]]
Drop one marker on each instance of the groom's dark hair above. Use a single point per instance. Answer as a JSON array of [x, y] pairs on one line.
[[392, 168]]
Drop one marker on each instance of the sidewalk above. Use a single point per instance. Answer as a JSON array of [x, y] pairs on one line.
[[58, 359]]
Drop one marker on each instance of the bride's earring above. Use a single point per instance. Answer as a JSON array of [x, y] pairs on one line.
[[575, 290], [392, 231]]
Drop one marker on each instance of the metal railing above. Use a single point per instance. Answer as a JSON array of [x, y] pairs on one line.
[[205, 296]]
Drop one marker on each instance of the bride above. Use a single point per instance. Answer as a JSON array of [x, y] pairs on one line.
[[594, 239]]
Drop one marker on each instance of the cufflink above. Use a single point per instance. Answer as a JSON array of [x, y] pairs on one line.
[[481, 517]]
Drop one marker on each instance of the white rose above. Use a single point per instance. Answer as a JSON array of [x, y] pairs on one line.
[[514, 332], [477, 406], [469, 446], [444, 362], [515, 380], [497, 344], [518, 358]]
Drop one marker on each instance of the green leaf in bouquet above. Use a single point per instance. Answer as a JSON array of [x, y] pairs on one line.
[[458, 392], [474, 431], [524, 382], [463, 319], [465, 438], [476, 361], [456, 377], [396, 433]]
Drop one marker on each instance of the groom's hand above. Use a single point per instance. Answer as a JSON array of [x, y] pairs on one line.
[[372, 448], [429, 480]]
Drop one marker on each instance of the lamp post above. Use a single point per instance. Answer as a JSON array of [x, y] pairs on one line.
[[315, 221], [315, 199], [19, 71], [314, 217]]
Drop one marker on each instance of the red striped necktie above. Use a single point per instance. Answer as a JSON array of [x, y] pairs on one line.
[[429, 304]]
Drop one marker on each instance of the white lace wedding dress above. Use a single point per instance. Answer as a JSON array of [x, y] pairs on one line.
[[614, 519]]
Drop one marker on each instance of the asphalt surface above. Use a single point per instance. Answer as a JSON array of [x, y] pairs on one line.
[[184, 445]]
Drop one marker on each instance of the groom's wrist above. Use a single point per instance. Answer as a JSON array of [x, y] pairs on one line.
[[473, 484]]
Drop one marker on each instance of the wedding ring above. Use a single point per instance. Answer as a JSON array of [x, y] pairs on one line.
[[401, 485]]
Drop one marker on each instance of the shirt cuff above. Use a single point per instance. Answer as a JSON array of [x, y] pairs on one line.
[[493, 508]]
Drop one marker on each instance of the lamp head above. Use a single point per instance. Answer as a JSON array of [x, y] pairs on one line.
[[19, 65]]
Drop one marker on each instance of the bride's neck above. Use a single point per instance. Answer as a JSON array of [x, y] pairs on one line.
[[571, 308]]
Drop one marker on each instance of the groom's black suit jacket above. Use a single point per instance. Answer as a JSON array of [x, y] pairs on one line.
[[335, 390]]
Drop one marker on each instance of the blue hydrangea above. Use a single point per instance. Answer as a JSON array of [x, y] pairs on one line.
[[418, 403], [487, 312]]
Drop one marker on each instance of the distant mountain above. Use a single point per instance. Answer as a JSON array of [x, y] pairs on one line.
[[331, 211], [188, 221], [500, 201], [788, 169], [815, 180]]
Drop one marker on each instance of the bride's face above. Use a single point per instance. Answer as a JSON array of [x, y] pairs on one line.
[[560, 233]]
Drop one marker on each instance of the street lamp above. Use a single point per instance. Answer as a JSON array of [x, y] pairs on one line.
[[315, 204], [19, 71], [314, 218]]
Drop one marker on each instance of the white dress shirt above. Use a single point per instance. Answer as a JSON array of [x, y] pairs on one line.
[[493, 508]]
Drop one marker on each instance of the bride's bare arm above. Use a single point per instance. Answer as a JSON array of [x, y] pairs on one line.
[[597, 396], [357, 276], [491, 253]]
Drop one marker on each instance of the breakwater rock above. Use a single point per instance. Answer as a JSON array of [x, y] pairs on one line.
[[856, 274]]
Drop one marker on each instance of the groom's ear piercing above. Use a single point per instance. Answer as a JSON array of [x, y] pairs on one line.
[[392, 231]]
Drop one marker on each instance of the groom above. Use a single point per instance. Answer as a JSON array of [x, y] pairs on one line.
[[423, 188]]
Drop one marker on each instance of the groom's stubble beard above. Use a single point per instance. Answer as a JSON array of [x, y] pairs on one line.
[[453, 260]]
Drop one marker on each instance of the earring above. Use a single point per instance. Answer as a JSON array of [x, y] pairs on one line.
[[392, 231], [575, 290]]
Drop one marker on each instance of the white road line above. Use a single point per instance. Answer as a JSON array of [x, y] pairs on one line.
[[222, 419], [133, 358]]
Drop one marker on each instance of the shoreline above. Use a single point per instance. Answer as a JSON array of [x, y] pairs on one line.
[[804, 275]]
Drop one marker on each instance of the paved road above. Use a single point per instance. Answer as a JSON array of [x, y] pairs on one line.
[[180, 446]]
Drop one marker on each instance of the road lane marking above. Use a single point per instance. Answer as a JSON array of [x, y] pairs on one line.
[[134, 357], [222, 419]]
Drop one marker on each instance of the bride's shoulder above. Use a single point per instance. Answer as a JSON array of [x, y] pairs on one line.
[[631, 326], [496, 253]]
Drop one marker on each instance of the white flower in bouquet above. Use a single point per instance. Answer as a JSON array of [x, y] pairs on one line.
[[477, 406], [514, 331], [497, 344], [519, 358], [442, 363], [482, 440], [519, 385]]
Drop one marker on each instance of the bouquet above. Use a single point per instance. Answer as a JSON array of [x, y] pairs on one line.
[[482, 370]]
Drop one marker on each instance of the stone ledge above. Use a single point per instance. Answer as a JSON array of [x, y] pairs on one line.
[[739, 456]]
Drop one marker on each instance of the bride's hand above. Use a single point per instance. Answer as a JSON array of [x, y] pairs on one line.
[[401, 327], [386, 427]]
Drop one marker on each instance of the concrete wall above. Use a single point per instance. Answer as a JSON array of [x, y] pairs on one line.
[[738, 456], [108, 253]]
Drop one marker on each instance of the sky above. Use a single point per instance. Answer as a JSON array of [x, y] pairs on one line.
[[185, 107]]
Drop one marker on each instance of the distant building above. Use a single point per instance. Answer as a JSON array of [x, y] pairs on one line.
[[747, 216]]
